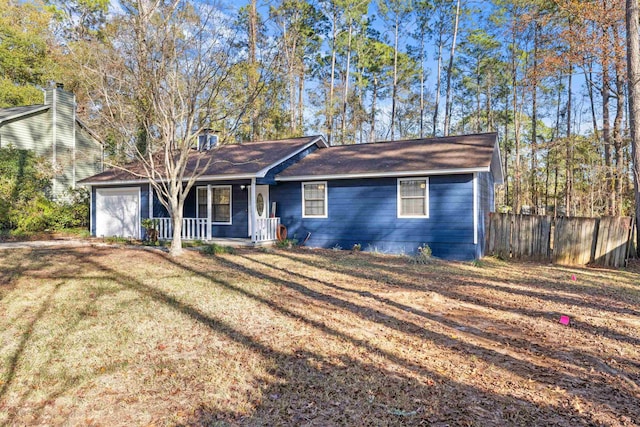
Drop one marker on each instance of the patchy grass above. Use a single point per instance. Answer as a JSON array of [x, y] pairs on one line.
[[112, 336]]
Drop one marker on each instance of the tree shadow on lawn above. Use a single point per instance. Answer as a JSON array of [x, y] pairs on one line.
[[468, 327], [312, 389], [37, 263], [382, 274], [494, 402]]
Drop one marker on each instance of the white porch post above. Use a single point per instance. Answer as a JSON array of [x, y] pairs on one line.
[[207, 231], [150, 201], [252, 209]]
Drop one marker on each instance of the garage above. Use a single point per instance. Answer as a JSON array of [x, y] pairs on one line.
[[118, 212]]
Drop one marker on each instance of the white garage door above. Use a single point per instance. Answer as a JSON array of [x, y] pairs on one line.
[[118, 212]]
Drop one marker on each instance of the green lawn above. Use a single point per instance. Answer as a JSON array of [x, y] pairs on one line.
[[112, 336]]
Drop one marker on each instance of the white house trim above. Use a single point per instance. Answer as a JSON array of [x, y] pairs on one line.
[[143, 180], [384, 174], [426, 197], [326, 199], [150, 201], [210, 189], [475, 208]]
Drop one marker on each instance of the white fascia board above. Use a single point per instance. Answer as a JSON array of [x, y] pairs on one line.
[[263, 172], [384, 174], [145, 180]]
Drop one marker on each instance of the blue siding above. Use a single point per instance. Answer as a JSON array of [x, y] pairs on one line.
[[365, 211]]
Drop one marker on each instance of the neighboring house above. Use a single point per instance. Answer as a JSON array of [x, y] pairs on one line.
[[53, 131], [386, 196]]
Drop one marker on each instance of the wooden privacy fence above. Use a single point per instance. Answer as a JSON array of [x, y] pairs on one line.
[[568, 241]]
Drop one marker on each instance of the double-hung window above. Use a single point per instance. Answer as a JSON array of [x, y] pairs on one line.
[[413, 198], [220, 204], [314, 200]]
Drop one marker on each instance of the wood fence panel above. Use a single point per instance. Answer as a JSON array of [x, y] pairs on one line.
[[612, 241], [574, 240]]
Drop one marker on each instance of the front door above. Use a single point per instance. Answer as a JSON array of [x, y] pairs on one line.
[[261, 204]]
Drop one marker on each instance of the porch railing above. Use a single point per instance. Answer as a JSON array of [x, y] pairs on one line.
[[266, 229], [192, 228], [198, 229]]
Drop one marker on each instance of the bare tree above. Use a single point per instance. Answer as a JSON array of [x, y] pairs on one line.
[[164, 74]]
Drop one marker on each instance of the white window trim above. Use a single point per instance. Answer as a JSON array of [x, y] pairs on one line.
[[426, 197], [206, 188], [326, 199]]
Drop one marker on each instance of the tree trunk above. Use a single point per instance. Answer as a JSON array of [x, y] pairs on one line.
[[633, 71], [333, 73], [569, 145], [438, 83], [253, 36], [346, 86], [176, 219], [374, 97], [447, 108], [517, 192], [606, 135], [534, 122], [394, 94], [618, 132], [422, 59]]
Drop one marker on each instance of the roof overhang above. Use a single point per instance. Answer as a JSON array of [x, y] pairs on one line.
[[390, 174], [146, 180], [319, 141], [25, 113]]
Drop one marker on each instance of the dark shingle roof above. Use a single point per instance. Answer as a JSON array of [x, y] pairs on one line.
[[454, 153], [15, 112], [228, 161]]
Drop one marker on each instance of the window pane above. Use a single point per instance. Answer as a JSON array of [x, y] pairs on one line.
[[221, 213], [314, 191], [413, 188], [221, 196], [314, 207], [202, 202], [413, 207]]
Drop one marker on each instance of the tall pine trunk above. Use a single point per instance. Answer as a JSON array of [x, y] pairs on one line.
[[633, 71], [438, 84], [447, 108]]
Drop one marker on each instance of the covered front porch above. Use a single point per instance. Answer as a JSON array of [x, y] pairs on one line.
[[237, 212]]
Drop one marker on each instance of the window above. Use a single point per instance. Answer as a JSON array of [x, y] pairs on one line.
[[220, 204], [314, 199], [413, 198], [201, 208]]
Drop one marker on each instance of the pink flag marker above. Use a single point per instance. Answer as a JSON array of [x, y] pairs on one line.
[[564, 320], [573, 277]]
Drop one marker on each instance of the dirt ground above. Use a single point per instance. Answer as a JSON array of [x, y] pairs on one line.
[[121, 336]]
